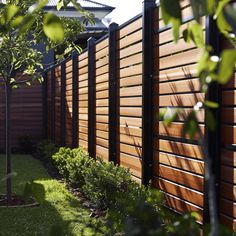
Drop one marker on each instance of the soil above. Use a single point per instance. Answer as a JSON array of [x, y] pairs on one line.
[[48, 166], [15, 201]]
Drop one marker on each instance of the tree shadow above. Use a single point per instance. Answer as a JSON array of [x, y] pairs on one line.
[[179, 163], [61, 210]]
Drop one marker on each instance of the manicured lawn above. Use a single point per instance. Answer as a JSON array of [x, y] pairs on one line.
[[60, 208]]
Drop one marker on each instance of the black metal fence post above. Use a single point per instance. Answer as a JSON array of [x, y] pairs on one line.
[[53, 105], [75, 100], [63, 104], [113, 94], [91, 98], [148, 72], [213, 138], [44, 106]]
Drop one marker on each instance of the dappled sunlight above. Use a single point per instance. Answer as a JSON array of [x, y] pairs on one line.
[[60, 209]]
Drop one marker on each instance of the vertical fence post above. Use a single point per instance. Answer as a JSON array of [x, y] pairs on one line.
[[53, 105], [213, 138], [147, 81], [75, 100], [91, 98], [63, 104], [44, 105], [113, 93]]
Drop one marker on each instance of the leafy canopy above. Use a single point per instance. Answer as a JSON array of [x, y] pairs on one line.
[[23, 25]]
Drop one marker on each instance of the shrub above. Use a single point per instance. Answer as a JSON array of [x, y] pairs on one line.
[[72, 164], [104, 181], [77, 165], [137, 215], [60, 160], [46, 149]]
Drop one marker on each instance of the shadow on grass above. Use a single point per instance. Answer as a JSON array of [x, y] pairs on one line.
[[62, 212]]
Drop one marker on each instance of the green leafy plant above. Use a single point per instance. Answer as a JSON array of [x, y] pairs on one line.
[[35, 190], [104, 181], [47, 149], [59, 160], [213, 67], [141, 214], [77, 165]]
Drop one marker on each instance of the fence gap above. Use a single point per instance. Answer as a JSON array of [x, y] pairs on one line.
[[213, 138], [53, 107], [147, 81], [113, 94], [75, 100], [91, 98], [63, 103]]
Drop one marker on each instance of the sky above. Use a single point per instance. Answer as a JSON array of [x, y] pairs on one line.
[[125, 9]]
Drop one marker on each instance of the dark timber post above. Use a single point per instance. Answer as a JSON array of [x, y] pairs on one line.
[[63, 104], [44, 104], [213, 137], [147, 81], [75, 100], [91, 98], [113, 94], [53, 105]]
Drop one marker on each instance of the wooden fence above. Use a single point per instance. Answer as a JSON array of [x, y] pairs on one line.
[[107, 100], [26, 114]]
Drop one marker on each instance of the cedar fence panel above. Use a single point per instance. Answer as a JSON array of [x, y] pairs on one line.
[[113, 93]]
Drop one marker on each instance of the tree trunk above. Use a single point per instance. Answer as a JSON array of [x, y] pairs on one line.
[[8, 92]]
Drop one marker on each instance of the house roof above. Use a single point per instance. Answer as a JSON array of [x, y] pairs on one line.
[[87, 4]]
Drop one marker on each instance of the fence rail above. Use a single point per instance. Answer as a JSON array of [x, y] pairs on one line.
[[107, 100]]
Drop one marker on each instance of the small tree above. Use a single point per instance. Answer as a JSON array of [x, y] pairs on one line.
[[211, 68], [23, 25]]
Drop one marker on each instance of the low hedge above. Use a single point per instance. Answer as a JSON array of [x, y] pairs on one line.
[[131, 209]]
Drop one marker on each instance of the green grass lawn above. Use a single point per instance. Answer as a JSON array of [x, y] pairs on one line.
[[60, 207]]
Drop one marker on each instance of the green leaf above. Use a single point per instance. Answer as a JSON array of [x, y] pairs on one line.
[[171, 13], [187, 35], [53, 27], [195, 215], [38, 192], [227, 65], [199, 8], [230, 16], [197, 35], [190, 125], [222, 24], [168, 115], [26, 23], [210, 6], [17, 21], [210, 119], [170, 9], [59, 5], [11, 11], [40, 5], [220, 7], [211, 104], [203, 61], [176, 25], [35, 190]]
